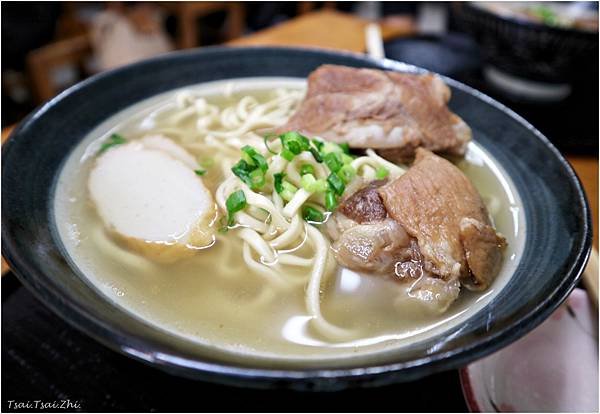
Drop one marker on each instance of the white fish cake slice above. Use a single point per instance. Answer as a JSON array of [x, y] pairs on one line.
[[151, 200]]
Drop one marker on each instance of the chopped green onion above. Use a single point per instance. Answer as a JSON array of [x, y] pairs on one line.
[[315, 153], [255, 158], [311, 184], [277, 182], [257, 179], [346, 159], [287, 186], [287, 154], [247, 158], [288, 191], [294, 142], [114, 140], [330, 201], [200, 172], [347, 173], [235, 202], [307, 169], [242, 169], [313, 215], [307, 180], [294, 146], [333, 161], [266, 140], [320, 186], [318, 144], [329, 147], [336, 184], [381, 173], [345, 147]]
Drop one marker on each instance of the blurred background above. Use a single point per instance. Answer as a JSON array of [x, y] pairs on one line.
[[540, 59]]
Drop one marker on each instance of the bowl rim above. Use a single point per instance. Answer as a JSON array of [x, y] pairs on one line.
[[231, 373]]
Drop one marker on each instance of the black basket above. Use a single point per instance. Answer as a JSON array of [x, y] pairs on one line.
[[530, 50]]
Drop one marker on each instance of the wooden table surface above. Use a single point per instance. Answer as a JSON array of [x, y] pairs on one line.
[[325, 29]]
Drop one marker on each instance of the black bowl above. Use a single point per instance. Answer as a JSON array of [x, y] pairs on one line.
[[557, 215], [552, 57]]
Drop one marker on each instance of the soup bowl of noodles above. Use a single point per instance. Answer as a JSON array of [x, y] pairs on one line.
[[177, 211]]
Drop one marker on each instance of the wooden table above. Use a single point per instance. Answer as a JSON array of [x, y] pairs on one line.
[[325, 29]]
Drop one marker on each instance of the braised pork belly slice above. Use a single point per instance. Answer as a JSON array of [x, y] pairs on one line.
[[428, 228], [437, 204], [385, 249], [393, 113], [367, 240], [373, 248]]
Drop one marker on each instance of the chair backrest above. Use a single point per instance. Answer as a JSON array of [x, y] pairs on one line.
[[43, 61]]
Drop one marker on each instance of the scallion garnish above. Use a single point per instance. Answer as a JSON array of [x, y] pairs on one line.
[[345, 147], [257, 179], [316, 155], [346, 173], [266, 141], [329, 147], [295, 142], [318, 144], [313, 215], [235, 202], [242, 169], [255, 157], [113, 140], [287, 154], [252, 168], [200, 172], [307, 169], [346, 159], [247, 158], [333, 161], [336, 184], [330, 201], [307, 180], [277, 182], [288, 191], [312, 185]]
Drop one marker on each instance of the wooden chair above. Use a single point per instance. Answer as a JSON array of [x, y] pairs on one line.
[[308, 6], [188, 13], [42, 62]]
